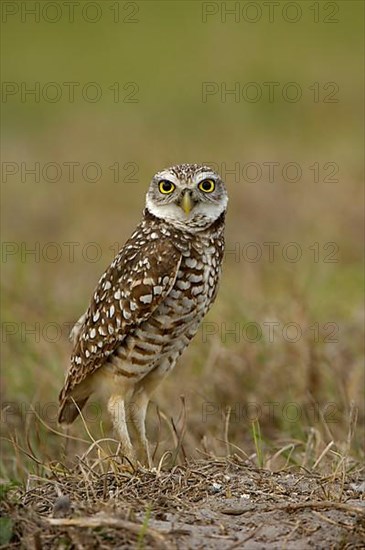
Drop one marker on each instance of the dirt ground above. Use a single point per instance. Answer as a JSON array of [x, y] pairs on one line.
[[210, 503]]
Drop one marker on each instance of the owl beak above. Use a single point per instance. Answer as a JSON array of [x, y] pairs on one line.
[[187, 203]]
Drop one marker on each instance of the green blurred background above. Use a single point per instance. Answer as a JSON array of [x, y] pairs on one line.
[[161, 54]]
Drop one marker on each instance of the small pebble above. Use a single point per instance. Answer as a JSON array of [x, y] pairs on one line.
[[62, 507], [358, 487]]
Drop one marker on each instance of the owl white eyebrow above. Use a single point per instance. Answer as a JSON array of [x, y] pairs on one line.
[[204, 175], [165, 174]]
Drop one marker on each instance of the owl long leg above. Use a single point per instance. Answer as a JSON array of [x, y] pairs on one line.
[[137, 416], [139, 403], [116, 408]]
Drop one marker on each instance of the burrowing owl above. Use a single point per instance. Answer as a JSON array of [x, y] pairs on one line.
[[150, 301]]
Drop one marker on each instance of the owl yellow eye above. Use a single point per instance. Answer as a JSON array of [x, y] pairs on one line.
[[207, 186], [166, 187]]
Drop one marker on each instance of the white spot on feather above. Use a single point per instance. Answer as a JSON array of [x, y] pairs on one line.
[[191, 262], [183, 285]]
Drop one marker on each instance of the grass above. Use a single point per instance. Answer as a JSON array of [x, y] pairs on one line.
[[256, 436], [164, 508], [144, 529], [280, 404]]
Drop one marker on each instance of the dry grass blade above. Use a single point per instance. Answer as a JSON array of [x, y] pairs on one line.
[[323, 454], [333, 522], [181, 432], [226, 428], [18, 448], [233, 446], [56, 432], [104, 520], [270, 461], [148, 509], [323, 505]]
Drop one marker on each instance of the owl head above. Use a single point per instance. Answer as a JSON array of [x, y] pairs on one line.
[[189, 196]]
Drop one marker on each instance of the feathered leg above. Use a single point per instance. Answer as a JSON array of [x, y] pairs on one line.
[[116, 408], [137, 410]]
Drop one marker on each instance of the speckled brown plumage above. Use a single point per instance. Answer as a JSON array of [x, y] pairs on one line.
[[150, 301]]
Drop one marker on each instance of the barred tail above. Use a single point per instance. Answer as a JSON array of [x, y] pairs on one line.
[[70, 408]]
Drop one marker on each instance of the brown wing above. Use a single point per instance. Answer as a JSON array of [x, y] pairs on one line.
[[134, 285]]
